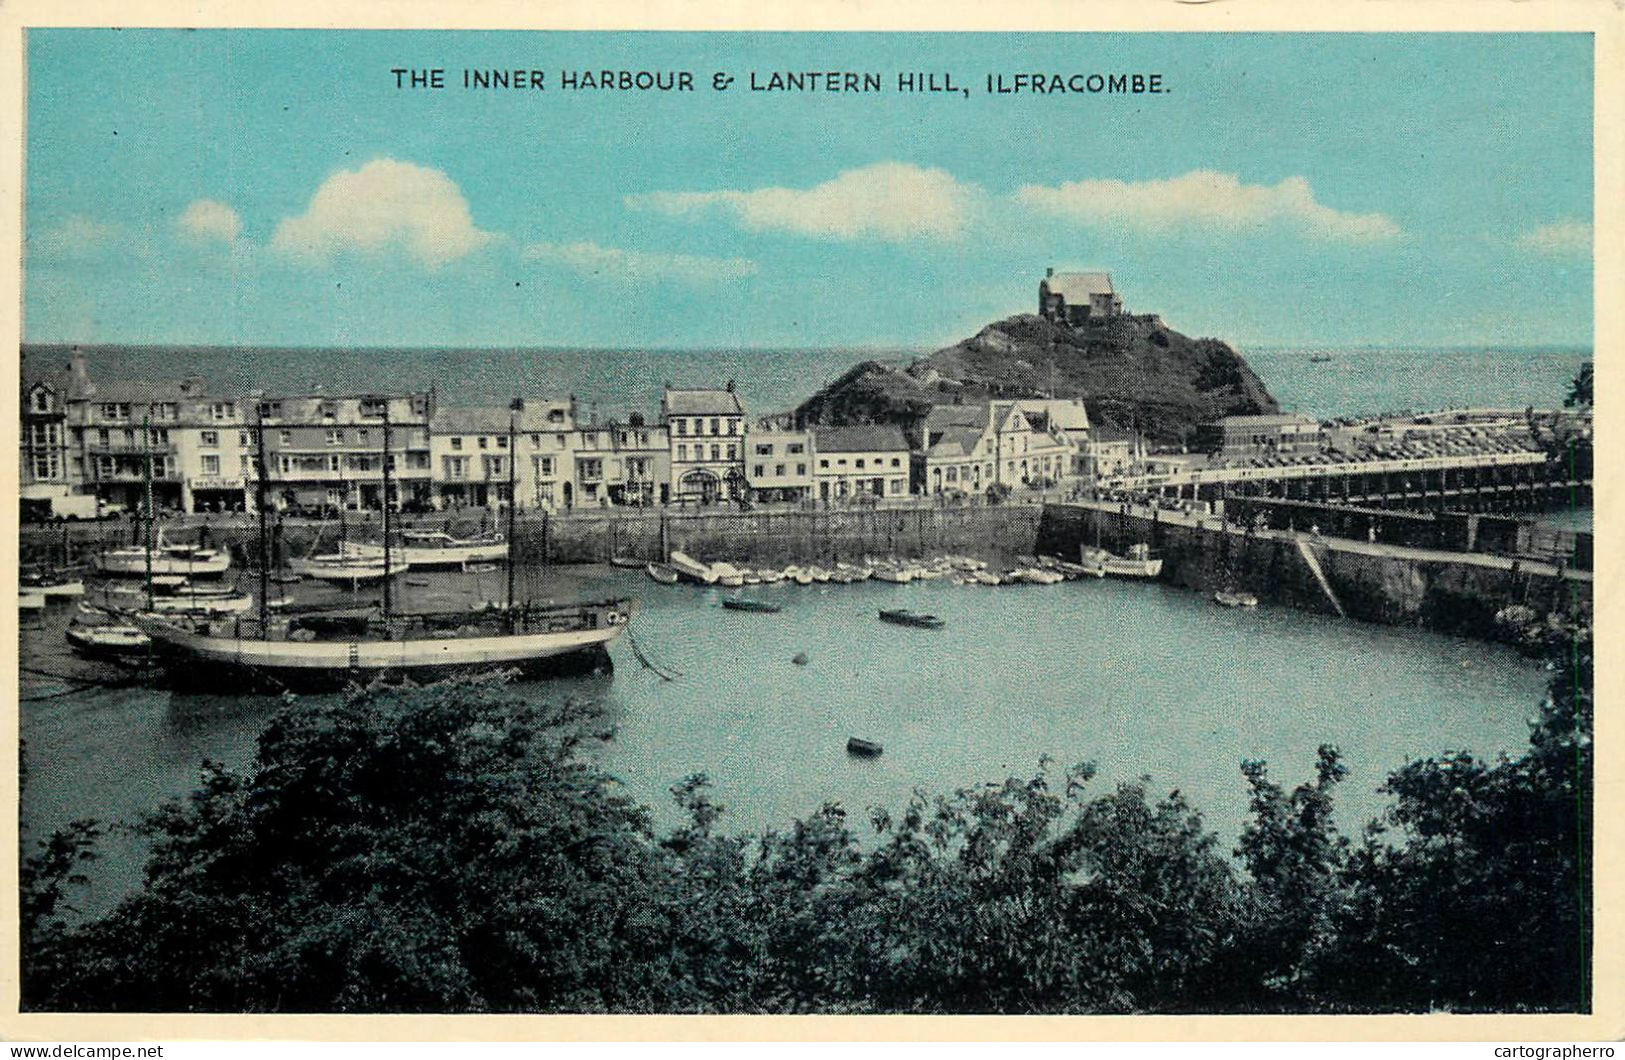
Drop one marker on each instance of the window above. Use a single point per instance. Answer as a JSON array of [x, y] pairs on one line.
[[682, 428], [760, 471], [223, 410], [896, 462], [455, 467], [46, 464], [823, 465], [544, 466], [716, 452], [242, 439], [764, 450], [715, 426], [111, 410], [362, 435], [270, 410], [335, 437], [778, 469], [502, 442], [456, 443], [732, 426], [590, 469], [795, 448], [209, 439], [801, 469], [40, 400], [373, 407], [333, 462], [495, 466], [733, 452], [285, 437], [166, 411], [327, 410], [211, 465], [535, 441], [101, 436], [682, 452], [484, 441], [860, 463]]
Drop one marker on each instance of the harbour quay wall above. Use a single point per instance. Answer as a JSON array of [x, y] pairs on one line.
[[763, 536], [1447, 592], [778, 538]]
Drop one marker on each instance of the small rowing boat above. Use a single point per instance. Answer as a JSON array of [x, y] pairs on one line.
[[861, 748], [902, 617], [737, 604], [661, 573]]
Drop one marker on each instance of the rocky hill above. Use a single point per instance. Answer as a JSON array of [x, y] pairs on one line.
[[1130, 372]]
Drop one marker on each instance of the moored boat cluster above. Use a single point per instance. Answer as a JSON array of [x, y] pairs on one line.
[[957, 570]]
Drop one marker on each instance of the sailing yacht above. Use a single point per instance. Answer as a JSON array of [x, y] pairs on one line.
[[318, 650]]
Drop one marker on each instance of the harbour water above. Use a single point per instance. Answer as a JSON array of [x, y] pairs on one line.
[[1139, 678]]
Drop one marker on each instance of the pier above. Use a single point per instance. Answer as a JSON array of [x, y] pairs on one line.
[[1446, 590]]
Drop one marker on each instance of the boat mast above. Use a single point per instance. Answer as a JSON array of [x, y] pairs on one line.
[[385, 501], [259, 503], [513, 461], [146, 429]]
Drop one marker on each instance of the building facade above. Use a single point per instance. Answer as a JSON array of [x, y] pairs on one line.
[[860, 461], [705, 432], [1078, 298], [327, 453], [1258, 435], [778, 462]]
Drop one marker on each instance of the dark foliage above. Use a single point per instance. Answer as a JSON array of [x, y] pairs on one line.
[[450, 850]]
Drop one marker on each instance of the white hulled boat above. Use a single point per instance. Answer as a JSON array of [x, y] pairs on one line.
[[425, 549], [192, 561], [342, 569], [311, 650], [1137, 564], [692, 569]]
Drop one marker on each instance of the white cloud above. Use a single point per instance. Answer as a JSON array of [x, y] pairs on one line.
[[384, 206], [75, 236], [207, 219], [613, 263], [889, 201], [1204, 199], [1560, 237]]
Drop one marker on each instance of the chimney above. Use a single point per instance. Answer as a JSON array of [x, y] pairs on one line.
[[80, 371], [1049, 272]]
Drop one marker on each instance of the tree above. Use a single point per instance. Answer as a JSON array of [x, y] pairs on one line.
[[1580, 388]]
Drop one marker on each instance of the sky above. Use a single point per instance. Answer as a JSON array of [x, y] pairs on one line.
[[278, 188]]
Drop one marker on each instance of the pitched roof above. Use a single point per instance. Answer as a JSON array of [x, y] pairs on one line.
[[943, 416], [1278, 419], [1112, 434], [702, 403], [493, 419], [877, 438], [1063, 414], [1077, 287], [956, 440]]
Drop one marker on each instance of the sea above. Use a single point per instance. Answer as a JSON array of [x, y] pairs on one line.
[[613, 382], [1151, 683]]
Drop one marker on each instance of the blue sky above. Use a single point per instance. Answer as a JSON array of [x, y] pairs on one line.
[[275, 187]]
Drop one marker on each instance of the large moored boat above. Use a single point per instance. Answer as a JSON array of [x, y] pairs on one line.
[[324, 650], [424, 549]]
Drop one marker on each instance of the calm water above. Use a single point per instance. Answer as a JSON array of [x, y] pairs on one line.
[[1356, 380], [1138, 678], [1369, 379]]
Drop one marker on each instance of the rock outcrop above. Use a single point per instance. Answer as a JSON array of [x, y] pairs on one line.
[[1131, 372]]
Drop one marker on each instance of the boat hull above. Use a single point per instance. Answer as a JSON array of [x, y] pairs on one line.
[[134, 565], [198, 662], [419, 558]]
